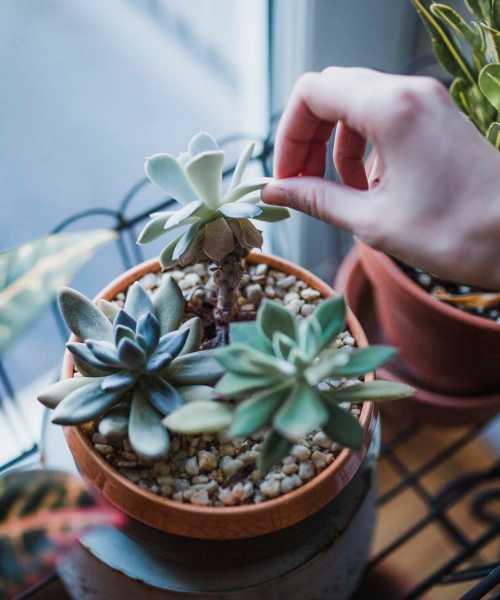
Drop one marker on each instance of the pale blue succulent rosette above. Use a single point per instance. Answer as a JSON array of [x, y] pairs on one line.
[[137, 365], [215, 221]]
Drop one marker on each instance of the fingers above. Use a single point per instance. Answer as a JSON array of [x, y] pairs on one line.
[[348, 155], [332, 203]]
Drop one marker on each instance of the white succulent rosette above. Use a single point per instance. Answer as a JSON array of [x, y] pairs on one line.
[[215, 222]]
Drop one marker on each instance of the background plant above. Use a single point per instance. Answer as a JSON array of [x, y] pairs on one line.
[[137, 364], [217, 223], [470, 51], [42, 513], [281, 372]]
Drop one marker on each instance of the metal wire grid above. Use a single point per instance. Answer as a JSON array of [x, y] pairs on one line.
[[452, 571]]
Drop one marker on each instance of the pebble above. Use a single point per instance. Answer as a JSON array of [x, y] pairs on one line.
[[290, 483], [322, 440], [191, 466], [290, 469], [190, 280], [286, 282], [207, 461], [270, 488], [103, 449], [307, 310], [230, 466], [309, 294], [294, 306], [318, 459], [270, 291], [200, 497], [254, 293], [306, 470], [300, 452]]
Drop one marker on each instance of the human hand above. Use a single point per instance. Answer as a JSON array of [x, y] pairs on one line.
[[430, 192]]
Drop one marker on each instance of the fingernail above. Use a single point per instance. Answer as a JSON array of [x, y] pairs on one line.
[[273, 194]]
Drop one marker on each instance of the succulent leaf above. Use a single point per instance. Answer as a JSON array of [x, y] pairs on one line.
[[493, 134], [202, 142], [166, 255], [53, 394], [249, 333], [272, 318], [193, 341], [331, 315], [185, 241], [373, 391], [84, 404], [197, 368], [271, 214], [343, 427], [237, 384], [251, 236], [118, 382], [163, 396], [114, 425], [364, 361], [153, 229], [205, 174], [147, 436], [303, 412], [200, 416], [165, 172], [170, 344], [104, 352], [244, 360], [124, 319], [327, 366], [191, 393], [218, 240], [274, 449], [256, 412], [109, 309], [137, 302], [131, 354], [252, 185], [181, 216], [169, 305], [87, 357], [241, 165], [83, 317], [121, 332], [148, 327], [240, 210]]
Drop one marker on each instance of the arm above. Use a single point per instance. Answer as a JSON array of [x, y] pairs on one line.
[[429, 193]]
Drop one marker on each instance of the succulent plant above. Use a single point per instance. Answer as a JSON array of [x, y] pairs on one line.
[[280, 373], [476, 84], [217, 224], [135, 369]]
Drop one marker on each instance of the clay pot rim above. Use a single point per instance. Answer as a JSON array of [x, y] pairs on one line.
[[415, 290], [342, 469]]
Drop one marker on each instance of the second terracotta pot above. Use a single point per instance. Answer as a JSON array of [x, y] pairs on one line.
[[444, 348]]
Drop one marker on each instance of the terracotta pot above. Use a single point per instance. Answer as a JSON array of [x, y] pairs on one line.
[[445, 349], [216, 523]]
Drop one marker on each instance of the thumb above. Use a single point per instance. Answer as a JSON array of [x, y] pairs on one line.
[[331, 202]]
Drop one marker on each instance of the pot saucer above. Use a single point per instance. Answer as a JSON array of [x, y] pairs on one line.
[[426, 405]]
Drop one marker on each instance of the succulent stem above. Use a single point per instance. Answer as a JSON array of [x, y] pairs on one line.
[[227, 278]]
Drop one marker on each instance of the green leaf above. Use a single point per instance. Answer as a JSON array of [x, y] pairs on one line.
[[166, 255], [205, 174], [459, 92], [201, 142], [489, 83], [147, 436], [492, 42], [109, 309], [197, 368], [302, 413], [137, 302], [31, 274], [248, 333], [493, 134], [271, 214], [343, 427], [195, 335], [478, 8], [240, 210], [331, 315], [252, 185], [42, 514], [273, 450], [84, 404], [283, 345], [131, 354], [53, 394], [445, 48], [309, 337], [456, 23], [371, 391], [83, 317], [185, 241], [237, 384], [364, 361], [169, 305], [326, 366], [165, 172], [200, 416], [255, 413], [153, 229], [243, 359], [495, 13], [193, 393], [272, 317], [241, 165]]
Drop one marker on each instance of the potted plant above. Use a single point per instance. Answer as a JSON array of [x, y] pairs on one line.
[[220, 401], [434, 322]]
